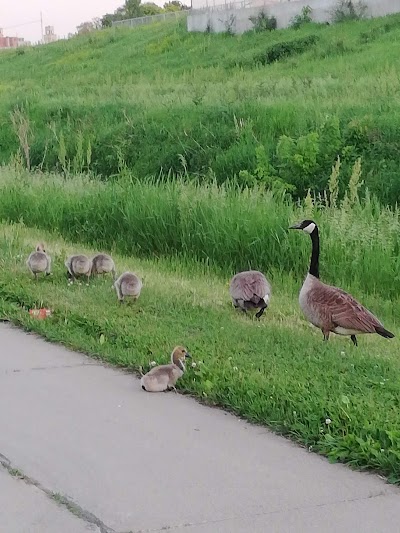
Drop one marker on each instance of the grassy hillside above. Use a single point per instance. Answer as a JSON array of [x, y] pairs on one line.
[[332, 397], [159, 98]]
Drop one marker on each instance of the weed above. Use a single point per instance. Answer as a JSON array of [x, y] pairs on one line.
[[263, 22], [347, 10], [282, 50], [305, 17], [21, 126]]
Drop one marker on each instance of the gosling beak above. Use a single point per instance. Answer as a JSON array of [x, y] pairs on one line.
[[295, 226], [187, 354]]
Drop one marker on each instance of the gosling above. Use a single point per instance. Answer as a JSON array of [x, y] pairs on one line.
[[164, 377], [78, 265], [39, 261], [128, 284], [250, 290], [103, 264]]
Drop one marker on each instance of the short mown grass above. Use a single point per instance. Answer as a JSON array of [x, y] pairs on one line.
[[275, 371]]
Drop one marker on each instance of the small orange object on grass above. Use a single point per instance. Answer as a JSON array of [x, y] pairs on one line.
[[40, 313]]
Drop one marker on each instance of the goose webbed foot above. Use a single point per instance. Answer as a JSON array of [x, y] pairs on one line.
[[354, 340]]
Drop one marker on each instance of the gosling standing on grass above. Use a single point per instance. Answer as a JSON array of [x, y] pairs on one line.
[[164, 377], [128, 284], [78, 265], [39, 261], [103, 264]]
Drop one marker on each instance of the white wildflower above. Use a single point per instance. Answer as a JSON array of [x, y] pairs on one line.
[[194, 365], [235, 368], [153, 363], [328, 421], [342, 353]]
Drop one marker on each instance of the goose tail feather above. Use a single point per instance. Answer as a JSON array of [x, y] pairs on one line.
[[384, 332]]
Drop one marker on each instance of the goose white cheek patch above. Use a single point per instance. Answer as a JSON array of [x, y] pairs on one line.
[[310, 228]]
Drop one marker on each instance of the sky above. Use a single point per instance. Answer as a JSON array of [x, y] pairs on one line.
[[64, 15]]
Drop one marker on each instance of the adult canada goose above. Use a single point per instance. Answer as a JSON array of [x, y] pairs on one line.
[[250, 290], [164, 377], [329, 308], [103, 264], [78, 265], [128, 284], [39, 261]]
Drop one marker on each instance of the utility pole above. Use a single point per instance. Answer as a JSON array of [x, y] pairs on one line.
[[41, 26]]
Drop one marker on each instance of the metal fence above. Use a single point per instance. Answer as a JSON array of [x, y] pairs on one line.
[[139, 21]]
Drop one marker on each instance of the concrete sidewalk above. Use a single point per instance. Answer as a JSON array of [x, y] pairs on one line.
[[119, 459]]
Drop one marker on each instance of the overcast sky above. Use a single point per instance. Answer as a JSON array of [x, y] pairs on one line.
[[64, 15]]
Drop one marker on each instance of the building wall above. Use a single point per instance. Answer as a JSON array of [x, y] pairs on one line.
[[237, 18], [9, 42]]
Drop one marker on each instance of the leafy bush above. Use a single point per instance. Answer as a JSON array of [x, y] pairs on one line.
[[348, 10], [304, 18], [263, 22], [282, 50]]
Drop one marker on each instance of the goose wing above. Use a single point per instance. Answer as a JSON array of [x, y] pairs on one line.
[[345, 311], [160, 375], [249, 286]]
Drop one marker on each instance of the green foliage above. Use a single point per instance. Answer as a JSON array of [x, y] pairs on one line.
[[222, 225], [150, 95], [347, 10], [175, 5], [263, 22], [305, 17], [150, 8], [331, 397], [282, 50]]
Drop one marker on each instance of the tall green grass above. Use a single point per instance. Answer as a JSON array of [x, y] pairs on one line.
[[160, 98], [220, 226]]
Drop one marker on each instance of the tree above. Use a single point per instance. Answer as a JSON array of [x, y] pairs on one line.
[[97, 23], [150, 8], [89, 25], [174, 5], [107, 19], [85, 27], [130, 9]]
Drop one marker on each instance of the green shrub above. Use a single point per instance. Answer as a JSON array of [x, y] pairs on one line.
[[283, 50], [348, 10], [263, 22], [305, 17]]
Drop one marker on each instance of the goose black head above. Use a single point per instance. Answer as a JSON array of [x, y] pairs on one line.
[[308, 226]]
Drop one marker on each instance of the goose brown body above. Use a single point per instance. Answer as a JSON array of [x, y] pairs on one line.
[[164, 377], [329, 308], [250, 290], [334, 310]]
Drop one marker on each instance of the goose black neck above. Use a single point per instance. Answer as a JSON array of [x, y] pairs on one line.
[[314, 264]]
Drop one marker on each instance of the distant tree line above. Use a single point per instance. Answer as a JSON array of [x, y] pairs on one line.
[[129, 10]]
